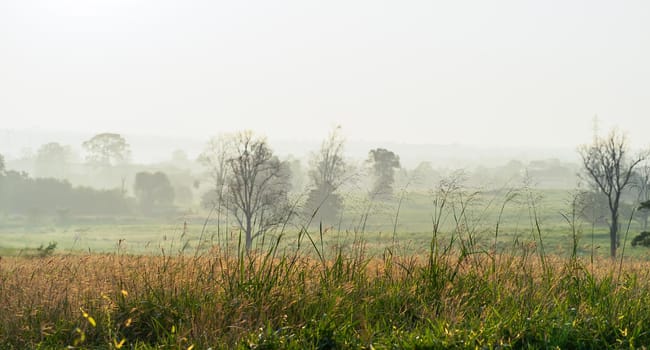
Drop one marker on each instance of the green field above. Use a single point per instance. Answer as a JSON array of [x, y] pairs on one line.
[[461, 270], [523, 216]]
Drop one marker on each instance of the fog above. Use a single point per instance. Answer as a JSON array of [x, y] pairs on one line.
[[122, 111], [324, 174], [510, 73], [63, 156]]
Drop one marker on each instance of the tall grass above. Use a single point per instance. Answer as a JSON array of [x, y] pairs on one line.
[[459, 293]]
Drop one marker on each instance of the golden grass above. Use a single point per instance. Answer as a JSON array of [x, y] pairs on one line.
[[225, 298]]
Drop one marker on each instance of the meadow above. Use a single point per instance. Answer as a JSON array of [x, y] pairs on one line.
[[514, 215], [457, 270]]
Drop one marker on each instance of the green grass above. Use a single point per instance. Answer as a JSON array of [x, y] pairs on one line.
[[454, 296], [483, 275], [482, 212]]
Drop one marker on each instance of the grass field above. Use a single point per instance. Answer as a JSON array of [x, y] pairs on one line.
[[516, 214], [447, 298], [486, 271]]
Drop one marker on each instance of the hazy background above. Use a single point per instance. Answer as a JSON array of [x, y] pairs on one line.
[[514, 74]]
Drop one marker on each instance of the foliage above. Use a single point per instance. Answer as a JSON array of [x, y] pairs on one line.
[[384, 163], [52, 160], [328, 172], [107, 149], [153, 190], [643, 239], [323, 205], [46, 251], [641, 182], [20, 194]]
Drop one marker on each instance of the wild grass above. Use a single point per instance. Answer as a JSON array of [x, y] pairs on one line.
[[468, 288], [449, 298]]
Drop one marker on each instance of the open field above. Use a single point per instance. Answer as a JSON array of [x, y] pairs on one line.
[[461, 270], [448, 298], [473, 213]]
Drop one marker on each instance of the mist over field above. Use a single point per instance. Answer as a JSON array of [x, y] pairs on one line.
[[295, 115], [71, 184], [324, 175]]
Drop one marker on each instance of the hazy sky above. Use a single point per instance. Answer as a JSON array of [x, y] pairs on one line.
[[517, 73]]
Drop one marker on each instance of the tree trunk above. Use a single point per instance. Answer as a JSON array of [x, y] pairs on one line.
[[249, 234], [613, 233]]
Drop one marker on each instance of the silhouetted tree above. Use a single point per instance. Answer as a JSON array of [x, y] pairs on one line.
[[328, 172], [384, 163], [251, 181], [153, 190], [107, 149], [52, 160], [609, 167], [259, 184]]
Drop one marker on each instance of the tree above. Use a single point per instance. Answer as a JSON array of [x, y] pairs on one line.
[[52, 160], [107, 150], [215, 157], [641, 182], [2, 164], [20, 194], [609, 167], [259, 184], [153, 190], [424, 175], [328, 172], [384, 163], [251, 181]]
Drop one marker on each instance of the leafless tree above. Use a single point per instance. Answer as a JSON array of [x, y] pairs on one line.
[[609, 167], [215, 158], [252, 182]]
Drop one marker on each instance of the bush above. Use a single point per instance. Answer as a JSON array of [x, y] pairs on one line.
[[642, 239]]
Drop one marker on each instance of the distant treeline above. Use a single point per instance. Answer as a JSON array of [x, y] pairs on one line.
[[23, 195]]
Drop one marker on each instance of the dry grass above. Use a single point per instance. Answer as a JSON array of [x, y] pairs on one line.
[[440, 300]]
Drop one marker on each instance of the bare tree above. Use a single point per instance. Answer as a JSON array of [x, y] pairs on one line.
[[252, 181], [328, 171], [608, 165], [215, 158]]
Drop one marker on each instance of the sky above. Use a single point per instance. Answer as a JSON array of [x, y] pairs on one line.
[[495, 73]]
